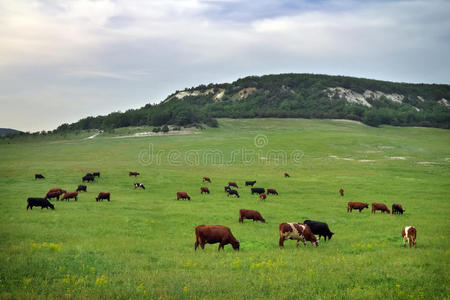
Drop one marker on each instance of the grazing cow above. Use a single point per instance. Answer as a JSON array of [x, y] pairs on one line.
[[319, 228], [341, 191], [212, 234], [183, 195], [233, 192], [204, 190], [258, 190], [397, 209], [88, 177], [139, 185], [227, 188], [251, 215], [96, 174], [356, 205], [102, 196], [231, 183], [380, 206], [272, 191], [207, 179], [81, 188], [252, 183], [286, 175], [57, 190], [409, 234], [42, 202], [51, 195], [134, 174], [67, 196], [262, 196], [38, 176], [296, 231]]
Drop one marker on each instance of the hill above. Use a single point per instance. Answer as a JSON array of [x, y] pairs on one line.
[[372, 102], [5, 131]]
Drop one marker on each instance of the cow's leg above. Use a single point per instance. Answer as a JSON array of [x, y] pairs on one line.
[[29, 206], [281, 242], [196, 245]]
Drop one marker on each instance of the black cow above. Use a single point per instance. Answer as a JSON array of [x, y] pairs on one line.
[[38, 176], [139, 185], [88, 177], [227, 188], [252, 183], [258, 190], [81, 188], [233, 192], [42, 202], [319, 228], [96, 174]]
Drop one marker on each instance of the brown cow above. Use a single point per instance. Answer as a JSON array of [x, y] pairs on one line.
[[341, 191], [57, 190], [231, 183], [272, 191], [204, 190], [286, 175], [251, 215], [134, 174], [397, 209], [262, 196], [183, 195], [356, 205], [211, 234], [380, 206], [207, 179], [409, 234], [296, 231], [55, 194], [102, 196], [67, 196]]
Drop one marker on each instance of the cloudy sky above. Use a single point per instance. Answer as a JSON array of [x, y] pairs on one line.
[[62, 60]]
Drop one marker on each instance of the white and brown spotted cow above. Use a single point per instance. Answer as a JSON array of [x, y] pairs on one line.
[[409, 234], [296, 231]]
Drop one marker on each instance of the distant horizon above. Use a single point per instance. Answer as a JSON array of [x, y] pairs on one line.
[[64, 60]]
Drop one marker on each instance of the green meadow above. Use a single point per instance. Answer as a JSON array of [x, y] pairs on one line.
[[141, 244]]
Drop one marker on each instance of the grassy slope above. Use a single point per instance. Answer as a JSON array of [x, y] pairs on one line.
[[141, 243]]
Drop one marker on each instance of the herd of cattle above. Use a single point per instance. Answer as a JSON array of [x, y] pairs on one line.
[[212, 234]]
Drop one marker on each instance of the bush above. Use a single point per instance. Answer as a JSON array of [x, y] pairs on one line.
[[165, 129], [156, 129]]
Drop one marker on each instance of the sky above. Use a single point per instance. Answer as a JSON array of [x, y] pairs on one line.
[[63, 60]]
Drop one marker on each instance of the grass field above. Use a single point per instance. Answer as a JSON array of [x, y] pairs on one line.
[[141, 244]]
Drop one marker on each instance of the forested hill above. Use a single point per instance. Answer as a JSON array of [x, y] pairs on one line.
[[8, 131], [372, 102]]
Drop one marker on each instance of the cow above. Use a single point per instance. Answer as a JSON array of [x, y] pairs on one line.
[[397, 209], [356, 205], [272, 191], [96, 174], [102, 196], [38, 176], [233, 192], [134, 174], [409, 234], [212, 234], [227, 188], [380, 206], [231, 183], [54, 194], [251, 183], [81, 188], [341, 191], [251, 215], [88, 177], [68, 196], [296, 231], [207, 179], [183, 195], [42, 202], [139, 185], [258, 190], [319, 228], [204, 190], [286, 175], [262, 196], [89, 174], [61, 191]]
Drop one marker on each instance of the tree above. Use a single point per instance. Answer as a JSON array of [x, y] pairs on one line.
[[165, 129]]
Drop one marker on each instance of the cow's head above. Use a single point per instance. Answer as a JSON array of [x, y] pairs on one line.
[[236, 245], [51, 206], [330, 235], [366, 205], [388, 211]]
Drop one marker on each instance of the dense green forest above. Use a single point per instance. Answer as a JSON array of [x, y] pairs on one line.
[[289, 96]]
